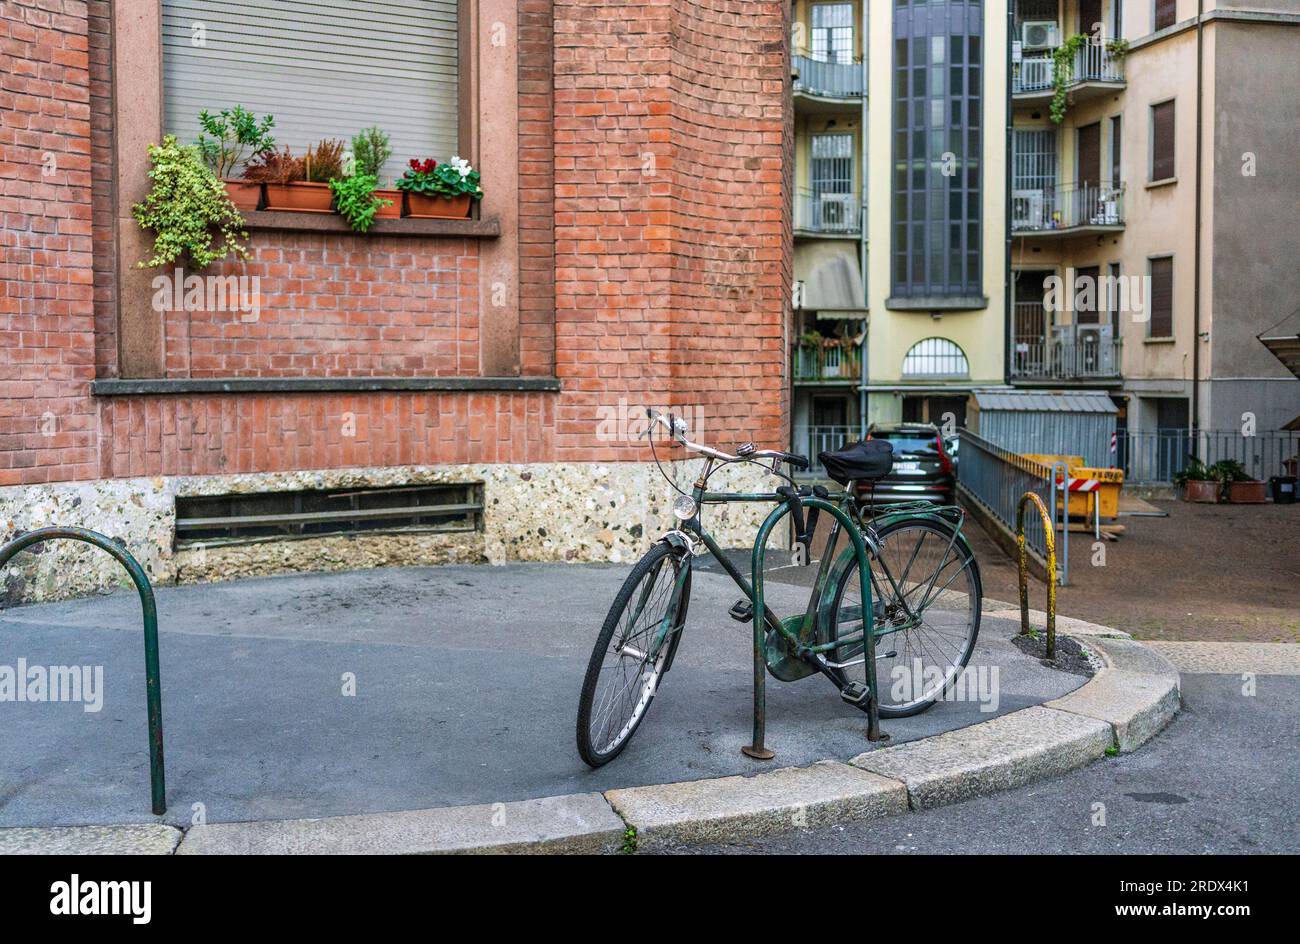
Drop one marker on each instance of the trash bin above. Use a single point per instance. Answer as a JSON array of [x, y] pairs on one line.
[[1283, 489]]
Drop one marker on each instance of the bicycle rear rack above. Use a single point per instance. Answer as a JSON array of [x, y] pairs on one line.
[[153, 687]]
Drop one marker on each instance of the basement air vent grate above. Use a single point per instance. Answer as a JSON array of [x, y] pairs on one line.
[[279, 516]]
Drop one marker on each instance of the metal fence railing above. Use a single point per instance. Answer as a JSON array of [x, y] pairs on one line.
[[1039, 210], [997, 478], [1156, 456], [826, 362], [835, 214]]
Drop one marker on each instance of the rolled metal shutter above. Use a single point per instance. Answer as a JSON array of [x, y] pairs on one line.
[[324, 69]]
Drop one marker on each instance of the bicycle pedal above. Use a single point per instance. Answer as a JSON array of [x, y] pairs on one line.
[[855, 693], [742, 611]]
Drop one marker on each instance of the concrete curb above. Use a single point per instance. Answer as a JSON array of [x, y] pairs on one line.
[[577, 823], [702, 811], [1129, 701], [138, 839]]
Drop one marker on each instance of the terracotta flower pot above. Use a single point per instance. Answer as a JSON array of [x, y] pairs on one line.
[[394, 211], [299, 197], [425, 207], [1248, 493], [1201, 491], [244, 194]]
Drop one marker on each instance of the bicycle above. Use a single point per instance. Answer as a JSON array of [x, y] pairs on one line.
[[930, 626]]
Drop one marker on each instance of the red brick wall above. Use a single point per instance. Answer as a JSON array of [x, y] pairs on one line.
[[283, 432], [655, 264], [47, 335], [336, 306], [730, 280]]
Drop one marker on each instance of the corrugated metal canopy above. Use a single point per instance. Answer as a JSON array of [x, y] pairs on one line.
[[1047, 402], [835, 290], [1287, 350]]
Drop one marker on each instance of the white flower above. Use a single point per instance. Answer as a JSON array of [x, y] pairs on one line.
[[462, 166]]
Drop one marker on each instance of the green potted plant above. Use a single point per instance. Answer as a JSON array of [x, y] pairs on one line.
[[188, 209], [370, 152], [1238, 487], [1198, 482], [229, 140], [439, 191], [357, 201]]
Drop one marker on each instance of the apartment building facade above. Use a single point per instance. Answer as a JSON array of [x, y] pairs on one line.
[[472, 385], [1152, 212], [900, 111]]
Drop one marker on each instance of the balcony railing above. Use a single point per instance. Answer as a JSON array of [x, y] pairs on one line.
[[819, 363], [1073, 352], [1092, 63], [828, 79], [811, 441], [1065, 208], [832, 214]]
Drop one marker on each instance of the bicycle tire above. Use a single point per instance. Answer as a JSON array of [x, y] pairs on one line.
[[651, 565]]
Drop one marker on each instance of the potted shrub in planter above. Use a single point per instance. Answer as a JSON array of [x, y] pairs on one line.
[[1238, 487], [439, 191], [357, 200], [1199, 483], [370, 152], [188, 209], [237, 136], [300, 185]]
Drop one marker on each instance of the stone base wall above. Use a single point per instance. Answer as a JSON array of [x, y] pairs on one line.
[[576, 512]]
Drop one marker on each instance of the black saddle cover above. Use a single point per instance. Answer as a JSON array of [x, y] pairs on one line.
[[864, 461]]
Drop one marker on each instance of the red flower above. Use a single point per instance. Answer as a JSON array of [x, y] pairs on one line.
[[415, 165]]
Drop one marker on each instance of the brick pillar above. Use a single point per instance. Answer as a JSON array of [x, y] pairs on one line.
[[672, 250]]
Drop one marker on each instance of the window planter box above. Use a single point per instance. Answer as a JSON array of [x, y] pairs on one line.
[[244, 194], [421, 206], [1248, 493], [299, 197], [1204, 492], [394, 210]]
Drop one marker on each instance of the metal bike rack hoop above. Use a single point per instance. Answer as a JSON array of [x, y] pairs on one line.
[[1049, 533], [153, 686]]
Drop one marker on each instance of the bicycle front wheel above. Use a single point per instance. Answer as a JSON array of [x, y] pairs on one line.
[[630, 658], [926, 597]]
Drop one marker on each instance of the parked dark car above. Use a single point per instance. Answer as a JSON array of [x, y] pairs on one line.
[[923, 469]]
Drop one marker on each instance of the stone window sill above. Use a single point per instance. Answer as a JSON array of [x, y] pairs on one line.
[[286, 221]]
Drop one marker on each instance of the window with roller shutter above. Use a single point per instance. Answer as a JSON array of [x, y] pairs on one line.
[[1160, 300], [1166, 14], [1162, 141], [324, 69]]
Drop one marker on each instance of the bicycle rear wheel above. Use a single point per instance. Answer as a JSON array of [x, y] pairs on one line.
[[626, 667], [927, 617]]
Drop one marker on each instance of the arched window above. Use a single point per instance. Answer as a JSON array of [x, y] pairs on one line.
[[935, 359]]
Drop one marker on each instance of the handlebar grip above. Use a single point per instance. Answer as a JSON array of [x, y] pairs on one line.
[[799, 462]]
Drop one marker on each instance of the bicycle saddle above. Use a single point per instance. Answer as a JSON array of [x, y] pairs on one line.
[[864, 461]]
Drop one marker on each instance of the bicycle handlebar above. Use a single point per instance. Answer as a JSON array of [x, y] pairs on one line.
[[677, 428]]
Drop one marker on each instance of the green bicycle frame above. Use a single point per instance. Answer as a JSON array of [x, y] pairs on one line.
[[800, 643]]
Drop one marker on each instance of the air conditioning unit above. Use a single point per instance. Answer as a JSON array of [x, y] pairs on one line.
[[1038, 34], [836, 212], [1027, 209]]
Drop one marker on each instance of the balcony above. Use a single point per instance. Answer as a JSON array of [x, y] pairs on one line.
[[811, 441], [828, 81], [1079, 353], [1066, 210], [827, 214], [1096, 72], [826, 363]]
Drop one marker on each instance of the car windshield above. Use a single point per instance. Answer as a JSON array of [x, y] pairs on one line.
[[910, 443]]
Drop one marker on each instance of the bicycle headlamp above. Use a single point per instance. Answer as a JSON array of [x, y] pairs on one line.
[[684, 507]]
